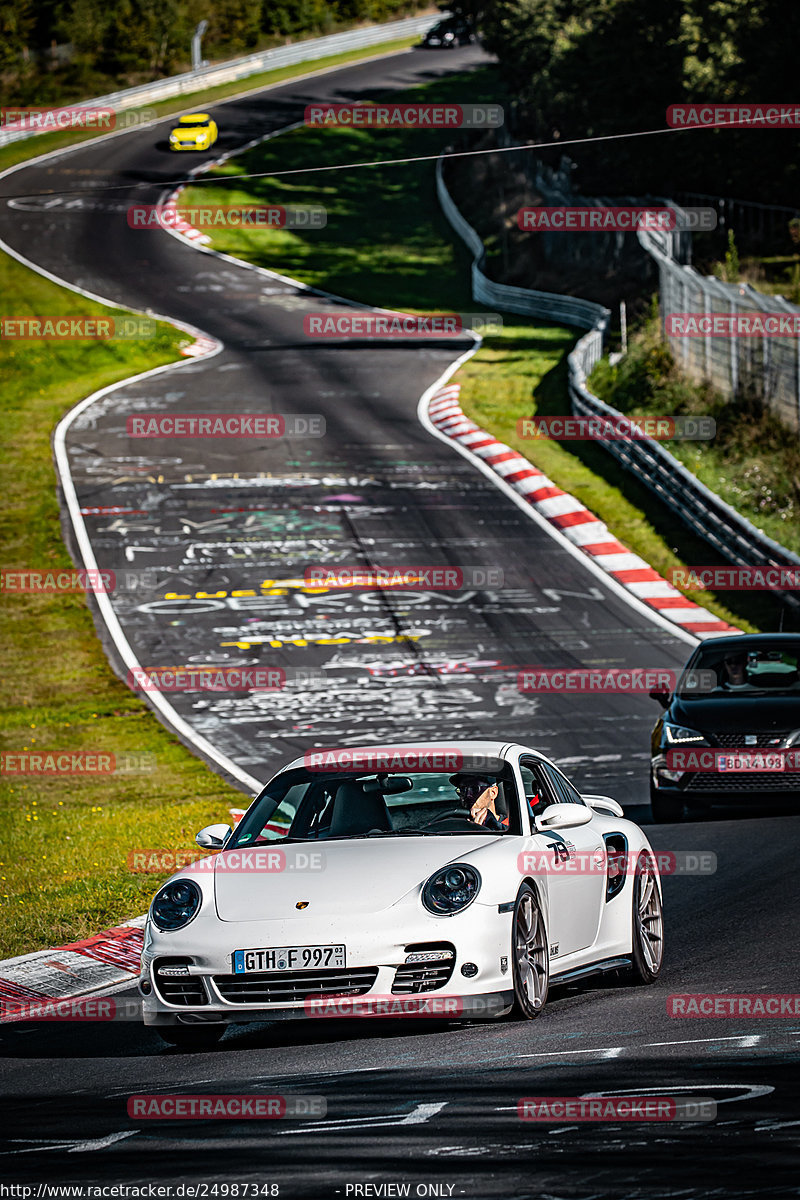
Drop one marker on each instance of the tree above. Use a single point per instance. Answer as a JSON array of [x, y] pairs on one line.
[[16, 29]]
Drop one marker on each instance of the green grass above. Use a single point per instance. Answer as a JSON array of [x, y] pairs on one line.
[[386, 243]]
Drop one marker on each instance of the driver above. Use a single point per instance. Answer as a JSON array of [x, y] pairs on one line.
[[479, 793], [735, 667]]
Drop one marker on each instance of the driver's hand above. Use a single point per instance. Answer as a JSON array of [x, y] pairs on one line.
[[478, 813]]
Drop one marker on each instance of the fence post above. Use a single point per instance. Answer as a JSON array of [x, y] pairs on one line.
[[734, 351]]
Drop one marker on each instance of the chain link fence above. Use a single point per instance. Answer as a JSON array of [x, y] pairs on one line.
[[766, 363]]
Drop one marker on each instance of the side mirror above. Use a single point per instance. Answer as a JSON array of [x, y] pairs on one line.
[[212, 837], [563, 816], [605, 804], [661, 696]]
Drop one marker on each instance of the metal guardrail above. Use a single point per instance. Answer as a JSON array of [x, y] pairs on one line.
[[241, 68], [733, 537], [549, 305]]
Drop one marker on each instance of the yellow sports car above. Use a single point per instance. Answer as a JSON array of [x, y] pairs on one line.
[[196, 131]]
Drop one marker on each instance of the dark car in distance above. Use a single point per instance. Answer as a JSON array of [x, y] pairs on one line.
[[730, 734], [445, 35]]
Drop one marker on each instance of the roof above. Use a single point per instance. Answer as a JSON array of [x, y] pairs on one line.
[[466, 746], [731, 641]]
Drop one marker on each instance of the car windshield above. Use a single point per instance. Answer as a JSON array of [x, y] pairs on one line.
[[195, 122], [744, 670], [302, 805]]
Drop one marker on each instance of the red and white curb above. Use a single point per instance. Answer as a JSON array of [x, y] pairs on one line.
[[202, 345], [178, 225], [572, 519], [107, 960]]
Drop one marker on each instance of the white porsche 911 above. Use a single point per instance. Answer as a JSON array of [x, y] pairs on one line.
[[439, 880]]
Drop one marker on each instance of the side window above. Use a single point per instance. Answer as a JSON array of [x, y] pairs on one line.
[[539, 791], [567, 794], [279, 823]]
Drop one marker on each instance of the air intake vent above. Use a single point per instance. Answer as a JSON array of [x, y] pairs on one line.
[[291, 987], [175, 985], [617, 866], [430, 967]]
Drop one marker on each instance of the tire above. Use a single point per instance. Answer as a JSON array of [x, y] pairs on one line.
[[666, 810], [529, 955], [647, 924], [191, 1037]]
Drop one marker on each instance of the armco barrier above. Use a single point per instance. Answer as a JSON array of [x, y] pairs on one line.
[[241, 68], [731, 535], [548, 305]]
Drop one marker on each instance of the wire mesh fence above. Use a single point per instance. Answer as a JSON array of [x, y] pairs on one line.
[[756, 348]]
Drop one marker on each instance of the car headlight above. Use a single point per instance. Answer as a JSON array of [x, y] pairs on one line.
[[175, 904], [451, 890], [675, 735]]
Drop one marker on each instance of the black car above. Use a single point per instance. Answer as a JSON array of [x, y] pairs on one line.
[[731, 731], [454, 31]]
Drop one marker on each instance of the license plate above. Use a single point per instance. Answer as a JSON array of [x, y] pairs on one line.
[[750, 760], [288, 958]]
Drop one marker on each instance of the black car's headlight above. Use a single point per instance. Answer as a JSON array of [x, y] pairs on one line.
[[175, 904], [451, 890], [681, 735]]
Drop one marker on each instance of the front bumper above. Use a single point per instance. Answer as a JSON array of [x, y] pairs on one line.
[[704, 788], [737, 797], [480, 938]]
